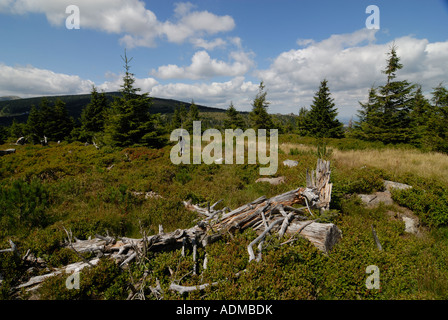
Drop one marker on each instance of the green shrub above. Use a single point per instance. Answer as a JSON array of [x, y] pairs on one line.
[[24, 204], [183, 176], [11, 269], [431, 205], [103, 281], [359, 181], [365, 180]]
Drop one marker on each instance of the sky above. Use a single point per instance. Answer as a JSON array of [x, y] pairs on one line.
[[217, 52]]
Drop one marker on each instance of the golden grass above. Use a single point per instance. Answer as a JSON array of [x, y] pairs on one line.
[[287, 147], [427, 165], [397, 162]]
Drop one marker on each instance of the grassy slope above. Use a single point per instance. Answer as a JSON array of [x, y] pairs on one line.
[[70, 185]]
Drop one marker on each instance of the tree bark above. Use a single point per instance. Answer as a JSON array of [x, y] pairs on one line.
[[323, 235]]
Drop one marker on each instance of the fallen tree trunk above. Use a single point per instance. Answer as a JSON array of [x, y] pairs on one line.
[[35, 282], [323, 235], [7, 151]]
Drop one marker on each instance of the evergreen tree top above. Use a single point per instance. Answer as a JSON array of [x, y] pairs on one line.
[[393, 64], [260, 98], [321, 119], [127, 88]]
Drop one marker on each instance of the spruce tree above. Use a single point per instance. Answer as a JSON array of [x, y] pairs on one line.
[[321, 119], [93, 115], [176, 121], [129, 121], [179, 117], [370, 118], [387, 115], [51, 121], [421, 113], [259, 116], [234, 120], [35, 124], [395, 97], [302, 123], [436, 136], [193, 115], [17, 130], [58, 124], [3, 134]]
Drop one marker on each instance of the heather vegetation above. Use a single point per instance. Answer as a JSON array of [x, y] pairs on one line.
[[90, 176]]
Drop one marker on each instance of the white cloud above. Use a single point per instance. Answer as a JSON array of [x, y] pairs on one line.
[[139, 26], [203, 66], [208, 45], [351, 63], [214, 94], [116, 80], [36, 82]]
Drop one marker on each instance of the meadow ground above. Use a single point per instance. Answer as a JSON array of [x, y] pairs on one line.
[[89, 191]]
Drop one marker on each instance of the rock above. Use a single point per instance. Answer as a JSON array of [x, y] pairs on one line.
[[410, 225], [389, 185], [373, 200], [273, 181], [7, 151], [290, 163]]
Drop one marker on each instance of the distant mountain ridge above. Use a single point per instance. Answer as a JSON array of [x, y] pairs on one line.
[[7, 98], [16, 108]]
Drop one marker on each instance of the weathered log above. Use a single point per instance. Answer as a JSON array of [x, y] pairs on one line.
[[323, 235], [285, 224], [35, 282], [186, 289], [319, 180], [7, 151]]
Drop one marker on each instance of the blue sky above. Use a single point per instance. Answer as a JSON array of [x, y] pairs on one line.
[[217, 52]]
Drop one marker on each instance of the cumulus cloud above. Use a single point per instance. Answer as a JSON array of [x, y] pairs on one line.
[[35, 82], [139, 26], [208, 45], [214, 94], [351, 63], [203, 66]]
